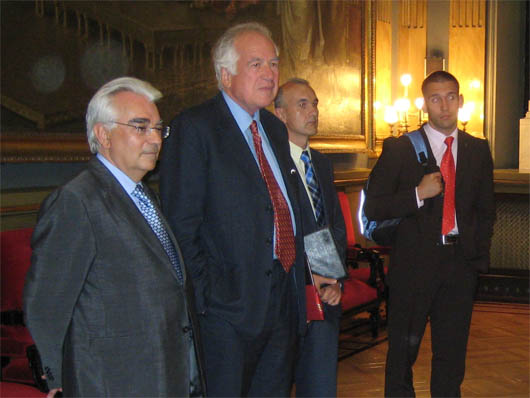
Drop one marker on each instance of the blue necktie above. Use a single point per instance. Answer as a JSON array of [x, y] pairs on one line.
[[314, 188], [150, 213]]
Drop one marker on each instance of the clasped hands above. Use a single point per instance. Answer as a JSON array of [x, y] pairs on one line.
[[329, 294]]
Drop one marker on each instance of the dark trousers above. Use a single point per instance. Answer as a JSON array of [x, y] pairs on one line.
[[441, 292], [237, 366], [316, 365]]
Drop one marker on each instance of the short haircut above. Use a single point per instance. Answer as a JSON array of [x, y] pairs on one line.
[[439, 76], [278, 101], [224, 53], [101, 109]]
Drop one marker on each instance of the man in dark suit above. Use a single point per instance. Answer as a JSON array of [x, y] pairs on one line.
[[442, 242], [107, 298], [297, 106], [229, 189]]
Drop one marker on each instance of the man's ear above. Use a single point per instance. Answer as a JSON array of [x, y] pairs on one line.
[[280, 113], [460, 101], [102, 135], [226, 78]]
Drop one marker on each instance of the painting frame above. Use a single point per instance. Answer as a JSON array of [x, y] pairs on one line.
[[69, 146]]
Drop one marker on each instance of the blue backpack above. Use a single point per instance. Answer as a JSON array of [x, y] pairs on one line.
[[383, 232]]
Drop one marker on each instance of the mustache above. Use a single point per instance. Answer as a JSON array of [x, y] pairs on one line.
[[151, 149]]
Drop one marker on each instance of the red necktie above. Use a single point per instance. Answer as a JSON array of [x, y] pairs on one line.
[[284, 245], [448, 173]]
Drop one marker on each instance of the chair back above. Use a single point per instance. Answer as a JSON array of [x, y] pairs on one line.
[[346, 213], [15, 251]]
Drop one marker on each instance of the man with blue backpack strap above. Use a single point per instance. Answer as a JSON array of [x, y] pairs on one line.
[[445, 210]]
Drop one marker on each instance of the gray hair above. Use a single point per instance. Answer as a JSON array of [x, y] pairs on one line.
[[101, 109], [224, 54], [278, 101]]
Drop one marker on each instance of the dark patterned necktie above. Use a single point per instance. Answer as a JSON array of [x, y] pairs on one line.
[[447, 168], [314, 188], [150, 213], [283, 227]]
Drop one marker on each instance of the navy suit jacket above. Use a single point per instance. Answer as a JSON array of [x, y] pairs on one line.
[[219, 208], [391, 193]]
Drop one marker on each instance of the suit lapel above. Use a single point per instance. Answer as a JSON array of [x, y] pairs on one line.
[[233, 143], [462, 159], [128, 218]]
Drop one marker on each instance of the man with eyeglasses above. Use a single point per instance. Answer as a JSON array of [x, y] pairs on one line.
[[107, 298]]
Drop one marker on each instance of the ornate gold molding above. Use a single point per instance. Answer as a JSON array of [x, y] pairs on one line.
[[43, 147]]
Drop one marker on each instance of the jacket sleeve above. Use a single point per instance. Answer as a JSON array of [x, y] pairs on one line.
[[63, 250], [183, 185], [389, 193]]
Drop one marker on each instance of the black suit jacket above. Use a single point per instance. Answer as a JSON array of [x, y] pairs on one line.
[[102, 300], [332, 210], [391, 193], [218, 205]]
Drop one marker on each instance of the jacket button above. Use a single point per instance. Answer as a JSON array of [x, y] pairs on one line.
[[268, 272], [269, 241], [186, 329]]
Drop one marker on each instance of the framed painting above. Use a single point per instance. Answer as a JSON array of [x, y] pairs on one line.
[[56, 54]]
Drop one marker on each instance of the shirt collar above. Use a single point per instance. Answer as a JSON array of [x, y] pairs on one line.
[[125, 181], [296, 151], [242, 117], [437, 137]]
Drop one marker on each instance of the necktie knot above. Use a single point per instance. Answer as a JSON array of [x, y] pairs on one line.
[[449, 141], [140, 194], [305, 158]]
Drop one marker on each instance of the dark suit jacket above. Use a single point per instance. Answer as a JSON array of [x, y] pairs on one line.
[[102, 300], [391, 193], [218, 205], [332, 210]]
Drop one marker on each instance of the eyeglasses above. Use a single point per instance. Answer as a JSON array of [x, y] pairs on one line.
[[146, 130]]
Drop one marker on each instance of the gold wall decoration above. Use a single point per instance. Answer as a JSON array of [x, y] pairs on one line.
[[67, 49]]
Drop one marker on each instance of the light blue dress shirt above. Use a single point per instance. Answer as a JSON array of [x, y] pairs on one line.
[[125, 181], [244, 120]]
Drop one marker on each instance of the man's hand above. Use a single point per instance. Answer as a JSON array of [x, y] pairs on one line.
[[430, 186], [52, 393], [329, 294]]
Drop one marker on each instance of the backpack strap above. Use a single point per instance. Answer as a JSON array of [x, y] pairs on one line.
[[419, 146]]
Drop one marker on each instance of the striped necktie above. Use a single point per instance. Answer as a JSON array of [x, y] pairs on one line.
[[314, 189]]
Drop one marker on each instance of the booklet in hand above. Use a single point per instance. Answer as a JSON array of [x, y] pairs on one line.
[[323, 256]]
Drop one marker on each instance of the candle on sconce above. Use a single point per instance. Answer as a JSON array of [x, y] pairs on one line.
[[418, 102], [390, 117], [406, 79], [464, 115], [402, 106]]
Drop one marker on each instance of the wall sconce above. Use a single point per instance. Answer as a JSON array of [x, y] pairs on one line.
[[390, 117], [402, 106]]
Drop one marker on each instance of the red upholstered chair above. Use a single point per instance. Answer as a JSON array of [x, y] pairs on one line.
[[364, 290], [15, 390], [357, 256], [15, 253]]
